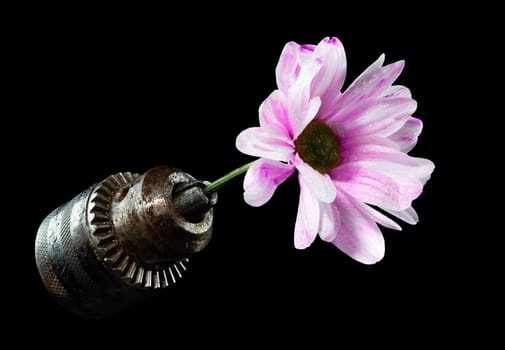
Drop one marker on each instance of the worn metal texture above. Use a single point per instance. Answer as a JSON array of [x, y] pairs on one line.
[[123, 239]]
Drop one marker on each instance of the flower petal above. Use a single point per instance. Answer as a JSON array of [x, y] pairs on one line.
[[368, 184], [386, 159], [379, 217], [372, 83], [292, 58], [377, 157], [350, 143], [360, 84], [306, 116], [403, 168], [408, 215], [263, 178], [273, 114], [359, 236], [300, 111], [307, 219], [397, 91], [320, 185], [329, 80], [331, 76], [329, 223], [260, 142], [301, 107], [380, 117], [407, 136]]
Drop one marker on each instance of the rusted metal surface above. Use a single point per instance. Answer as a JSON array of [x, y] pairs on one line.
[[151, 229], [123, 239]]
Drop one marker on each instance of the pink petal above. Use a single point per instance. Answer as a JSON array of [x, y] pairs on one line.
[[320, 185], [408, 215], [359, 237], [263, 178], [307, 219], [261, 142], [352, 93], [390, 161], [379, 217], [375, 117], [372, 83], [273, 114], [350, 143], [365, 148], [384, 155], [330, 78], [329, 223], [406, 137], [403, 168], [292, 58], [301, 109], [397, 91], [368, 184]]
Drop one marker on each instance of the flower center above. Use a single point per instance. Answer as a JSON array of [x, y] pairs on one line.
[[317, 145]]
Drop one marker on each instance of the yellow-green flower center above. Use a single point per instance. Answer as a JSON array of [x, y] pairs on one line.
[[317, 145]]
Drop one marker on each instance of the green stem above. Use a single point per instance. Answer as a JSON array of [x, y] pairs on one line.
[[213, 187]]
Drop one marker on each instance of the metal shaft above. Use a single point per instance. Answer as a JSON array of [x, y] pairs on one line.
[[123, 239]]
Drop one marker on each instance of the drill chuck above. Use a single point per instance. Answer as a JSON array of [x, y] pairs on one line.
[[123, 239]]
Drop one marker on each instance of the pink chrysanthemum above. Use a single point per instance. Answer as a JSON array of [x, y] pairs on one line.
[[350, 148]]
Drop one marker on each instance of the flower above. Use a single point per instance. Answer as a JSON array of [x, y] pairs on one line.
[[350, 149]]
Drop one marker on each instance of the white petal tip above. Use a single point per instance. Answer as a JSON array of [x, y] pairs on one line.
[[370, 259], [253, 204], [328, 239], [252, 201], [371, 262], [301, 246], [241, 141]]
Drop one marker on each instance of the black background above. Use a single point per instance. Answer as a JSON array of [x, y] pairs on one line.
[[106, 91]]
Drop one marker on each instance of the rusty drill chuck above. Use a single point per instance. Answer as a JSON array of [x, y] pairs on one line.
[[123, 239]]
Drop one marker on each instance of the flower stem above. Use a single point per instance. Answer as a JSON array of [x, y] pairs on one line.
[[213, 187]]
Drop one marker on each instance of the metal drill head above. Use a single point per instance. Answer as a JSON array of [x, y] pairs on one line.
[[123, 239], [153, 228]]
